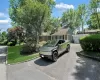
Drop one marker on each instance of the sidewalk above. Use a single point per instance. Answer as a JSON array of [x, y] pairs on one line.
[[2, 71], [3, 51]]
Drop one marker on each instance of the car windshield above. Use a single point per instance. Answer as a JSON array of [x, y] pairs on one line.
[[50, 43]]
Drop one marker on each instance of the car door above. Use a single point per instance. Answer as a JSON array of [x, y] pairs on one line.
[[63, 46], [60, 46]]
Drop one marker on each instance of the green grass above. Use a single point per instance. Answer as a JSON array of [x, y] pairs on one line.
[[14, 55]]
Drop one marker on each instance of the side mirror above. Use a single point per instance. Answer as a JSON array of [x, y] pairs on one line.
[[58, 46]]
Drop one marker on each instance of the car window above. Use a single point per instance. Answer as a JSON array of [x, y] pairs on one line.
[[60, 42], [63, 41], [50, 43]]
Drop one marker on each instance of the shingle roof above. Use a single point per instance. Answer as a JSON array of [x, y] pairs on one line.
[[61, 32]]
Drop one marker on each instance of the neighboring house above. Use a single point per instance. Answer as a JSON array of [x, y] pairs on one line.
[[89, 32], [63, 33], [85, 33]]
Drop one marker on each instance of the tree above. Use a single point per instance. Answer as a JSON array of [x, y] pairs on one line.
[[30, 14], [92, 22], [16, 34], [52, 25], [82, 14], [0, 36], [94, 6], [70, 19]]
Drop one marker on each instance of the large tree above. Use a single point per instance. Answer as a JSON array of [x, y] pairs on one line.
[[30, 14], [94, 20], [70, 19], [82, 14], [51, 25]]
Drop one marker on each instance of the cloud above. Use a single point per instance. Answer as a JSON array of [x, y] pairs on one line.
[[63, 6], [4, 21], [2, 15]]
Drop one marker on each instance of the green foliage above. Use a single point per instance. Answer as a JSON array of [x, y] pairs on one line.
[[3, 36], [9, 43], [27, 49], [4, 42], [12, 43], [51, 24], [70, 18], [94, 21], [30, 14], [82, 14], [0, 36], [90, 43], [16, 34]]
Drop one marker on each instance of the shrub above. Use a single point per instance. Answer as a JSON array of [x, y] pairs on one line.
[[22, 43], [27, 49], [90, 42], [4, 42], [10, 43]]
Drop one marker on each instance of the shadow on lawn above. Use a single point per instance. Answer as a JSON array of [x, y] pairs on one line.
[[87, 69], [45, 62]]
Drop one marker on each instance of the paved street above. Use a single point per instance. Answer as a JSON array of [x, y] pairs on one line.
[[68, 67]]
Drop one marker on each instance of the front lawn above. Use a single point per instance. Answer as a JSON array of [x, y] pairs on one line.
[[14, 55]]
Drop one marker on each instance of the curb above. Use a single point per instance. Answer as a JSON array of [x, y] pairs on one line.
[[23, 61], [87, 56]]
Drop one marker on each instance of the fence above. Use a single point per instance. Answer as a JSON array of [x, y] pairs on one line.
[[77, 37], [46, 38]]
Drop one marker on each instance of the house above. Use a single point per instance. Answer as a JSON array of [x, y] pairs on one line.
[[63, 33]]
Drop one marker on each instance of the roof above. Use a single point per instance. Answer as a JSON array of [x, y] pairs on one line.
[[89, 31], [61, 32]]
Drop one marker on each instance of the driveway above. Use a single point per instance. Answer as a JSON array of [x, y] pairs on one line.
[[68, 67]]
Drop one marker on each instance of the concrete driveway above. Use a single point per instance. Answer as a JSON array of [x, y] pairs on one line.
[[68, 67]]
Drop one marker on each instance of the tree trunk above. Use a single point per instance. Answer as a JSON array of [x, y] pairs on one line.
[[37, 38], [82, 26]]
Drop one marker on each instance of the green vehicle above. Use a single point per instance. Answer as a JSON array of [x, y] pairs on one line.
[[52, 49]]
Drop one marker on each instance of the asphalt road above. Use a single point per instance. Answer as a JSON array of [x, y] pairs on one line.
[[68, 67]]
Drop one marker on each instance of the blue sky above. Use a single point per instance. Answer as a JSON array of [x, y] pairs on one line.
[[60, 7]]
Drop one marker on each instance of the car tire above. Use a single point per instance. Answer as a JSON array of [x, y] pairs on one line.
[[54, 56], [68, 48], [42, 57]]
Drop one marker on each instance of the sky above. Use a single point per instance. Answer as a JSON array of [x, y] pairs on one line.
[[60, 7]]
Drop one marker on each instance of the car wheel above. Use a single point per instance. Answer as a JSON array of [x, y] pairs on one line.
[[68, 48], [42, 57], [54, 56]]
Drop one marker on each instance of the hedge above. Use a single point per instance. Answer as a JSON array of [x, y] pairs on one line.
[[90, 42]]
